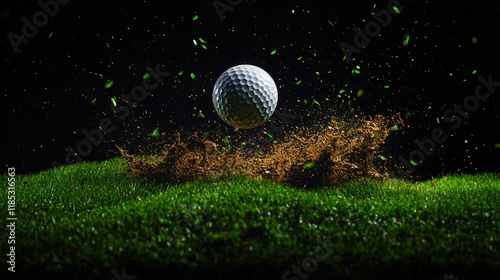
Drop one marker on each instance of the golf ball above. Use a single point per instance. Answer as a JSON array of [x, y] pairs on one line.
[[245, 96]]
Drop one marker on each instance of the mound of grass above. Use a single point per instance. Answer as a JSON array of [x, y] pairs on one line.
[[88, 221]]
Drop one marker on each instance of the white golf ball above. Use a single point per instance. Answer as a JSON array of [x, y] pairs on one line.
[[245, 96]]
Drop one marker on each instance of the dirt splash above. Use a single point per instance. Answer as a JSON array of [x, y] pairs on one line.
[[326, 154]]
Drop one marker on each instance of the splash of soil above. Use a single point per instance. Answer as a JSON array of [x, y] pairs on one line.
[[327, 154]]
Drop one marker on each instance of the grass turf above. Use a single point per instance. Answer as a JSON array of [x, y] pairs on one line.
[[84, 221]]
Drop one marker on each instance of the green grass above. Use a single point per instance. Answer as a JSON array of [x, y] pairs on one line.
[[91, 218]]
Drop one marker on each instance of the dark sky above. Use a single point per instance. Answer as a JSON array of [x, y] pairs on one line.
[[53, 88]]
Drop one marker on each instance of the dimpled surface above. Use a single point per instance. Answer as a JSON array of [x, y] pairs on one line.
[[245, 96]]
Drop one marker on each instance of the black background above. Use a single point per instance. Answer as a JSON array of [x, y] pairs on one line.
[[48, 87]]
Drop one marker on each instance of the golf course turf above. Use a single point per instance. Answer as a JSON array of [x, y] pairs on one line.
[[90, 220]]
